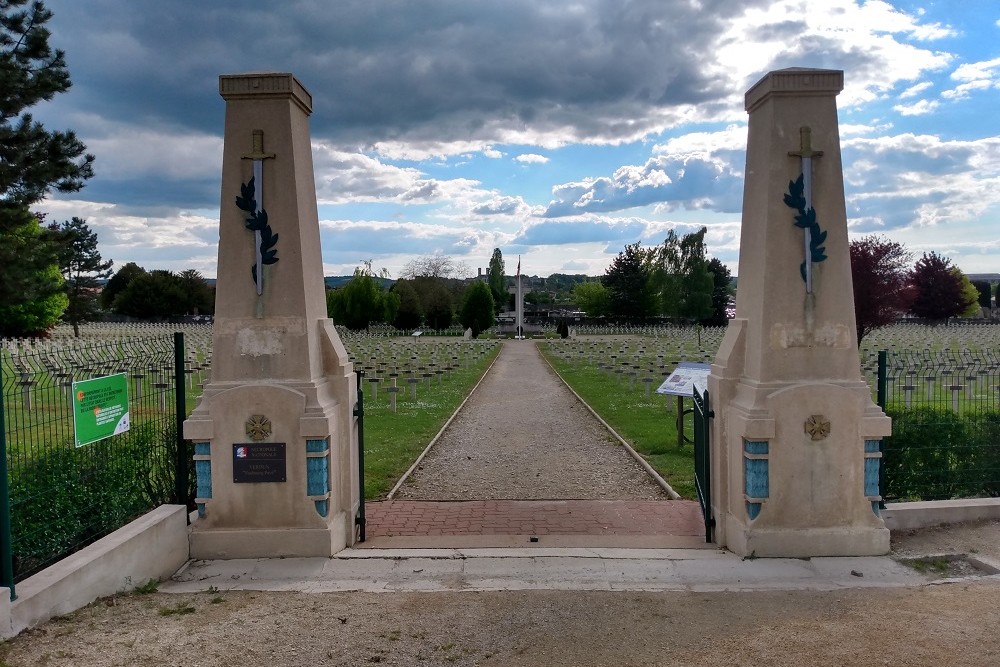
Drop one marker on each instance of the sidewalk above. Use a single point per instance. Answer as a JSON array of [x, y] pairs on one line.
[[526, 569]]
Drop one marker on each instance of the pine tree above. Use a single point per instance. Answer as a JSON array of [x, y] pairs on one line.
[[33, 162], [82, 268]]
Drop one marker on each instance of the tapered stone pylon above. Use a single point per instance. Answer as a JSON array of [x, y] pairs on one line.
[[275, 436], [795, 436]]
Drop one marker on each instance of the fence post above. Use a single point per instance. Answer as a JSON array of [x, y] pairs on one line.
[[359, 412], [6, 550], [180, 408], [882, 388], [881, 393]]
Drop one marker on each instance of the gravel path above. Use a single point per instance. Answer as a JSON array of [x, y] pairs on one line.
[[523, 435]]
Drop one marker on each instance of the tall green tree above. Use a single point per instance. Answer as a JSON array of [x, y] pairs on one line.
[[362, 301], [33, 162], [722, 293], [439, 309], [498, 280], [939, 290], [591, 298], [151, 296], [971, 295], [31, 298], [82, 270], [410, 313], [627, 281], [118, 282], [681, 277], [200, 297], [478, 312]]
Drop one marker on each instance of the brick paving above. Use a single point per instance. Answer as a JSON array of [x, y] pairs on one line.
[[397, 518], [524, 458]]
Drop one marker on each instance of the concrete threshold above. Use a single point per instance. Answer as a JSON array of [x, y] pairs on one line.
[[377, 570], [535, 541]]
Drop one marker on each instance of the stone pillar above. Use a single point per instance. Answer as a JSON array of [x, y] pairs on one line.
[[274, 433], [795, 434]]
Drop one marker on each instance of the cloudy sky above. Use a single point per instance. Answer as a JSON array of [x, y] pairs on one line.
[[558, 131]]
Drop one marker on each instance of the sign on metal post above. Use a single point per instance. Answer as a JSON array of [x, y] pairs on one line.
[[100, 408]]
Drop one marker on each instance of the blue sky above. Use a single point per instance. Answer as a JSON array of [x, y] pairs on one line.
[[558, 131]]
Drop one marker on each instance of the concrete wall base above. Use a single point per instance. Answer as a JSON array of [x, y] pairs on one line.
[[224, 544], [154, 546], [910, 516], [806, 542]]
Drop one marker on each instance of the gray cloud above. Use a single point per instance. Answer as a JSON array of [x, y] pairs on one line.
[[382, 71]]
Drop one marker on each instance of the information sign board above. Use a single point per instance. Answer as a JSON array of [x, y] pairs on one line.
[[682, 381], [100, 408]]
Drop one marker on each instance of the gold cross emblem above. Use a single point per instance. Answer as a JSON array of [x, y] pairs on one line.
[[258, 428], [818, 427]]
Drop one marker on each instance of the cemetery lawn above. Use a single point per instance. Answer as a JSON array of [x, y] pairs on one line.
[[648, 424], [393, 441]]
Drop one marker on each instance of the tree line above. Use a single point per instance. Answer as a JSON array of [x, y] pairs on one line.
[[431, 292], [674, 280], [887, 286]]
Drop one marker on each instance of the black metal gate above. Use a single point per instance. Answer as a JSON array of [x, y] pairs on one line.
[[702, 461], [359, 412]]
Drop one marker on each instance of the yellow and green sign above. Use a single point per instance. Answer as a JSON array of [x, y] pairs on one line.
[[100, 408]]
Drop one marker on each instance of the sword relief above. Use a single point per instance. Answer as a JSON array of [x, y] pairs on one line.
[[799, 197], [252, 201]]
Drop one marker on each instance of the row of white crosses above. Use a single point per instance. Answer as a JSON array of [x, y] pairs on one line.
[[389, 361]]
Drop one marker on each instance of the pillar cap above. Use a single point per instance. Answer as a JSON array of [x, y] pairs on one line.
[[797, 81], [262, 85]]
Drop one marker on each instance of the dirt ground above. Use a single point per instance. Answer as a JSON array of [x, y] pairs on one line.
[[954, 623]]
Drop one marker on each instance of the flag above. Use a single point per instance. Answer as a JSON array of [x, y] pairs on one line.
[[519, 268]]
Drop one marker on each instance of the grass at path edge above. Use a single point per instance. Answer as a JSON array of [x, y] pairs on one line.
[[645, 423]]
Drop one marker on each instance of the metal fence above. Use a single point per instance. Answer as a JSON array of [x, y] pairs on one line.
[[63, 497], [945, 407]]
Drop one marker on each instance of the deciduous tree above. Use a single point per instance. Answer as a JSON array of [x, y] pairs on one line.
[[478, 312], [722, 293], [410, 313], [118, 282], [940, 293], [882, 291], [591, 298], [680, 276], [362, 301], [31, 288]]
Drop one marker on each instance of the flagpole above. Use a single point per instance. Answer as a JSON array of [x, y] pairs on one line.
[[519, 307]]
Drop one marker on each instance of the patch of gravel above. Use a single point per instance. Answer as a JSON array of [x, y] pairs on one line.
[[523, 435]]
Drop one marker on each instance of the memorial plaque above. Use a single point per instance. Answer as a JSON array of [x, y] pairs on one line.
[[258, 462]]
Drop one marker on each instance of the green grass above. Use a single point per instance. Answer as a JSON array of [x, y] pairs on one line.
[[393, 441], [648, 424]]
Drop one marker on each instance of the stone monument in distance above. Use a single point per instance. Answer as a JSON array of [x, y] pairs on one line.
[[795, 434], [274, 433]]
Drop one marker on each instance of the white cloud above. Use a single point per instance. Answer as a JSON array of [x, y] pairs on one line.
[[915, 90], [531, 158], [917, 108], [493, 153], [974, 76], [346, 177]]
